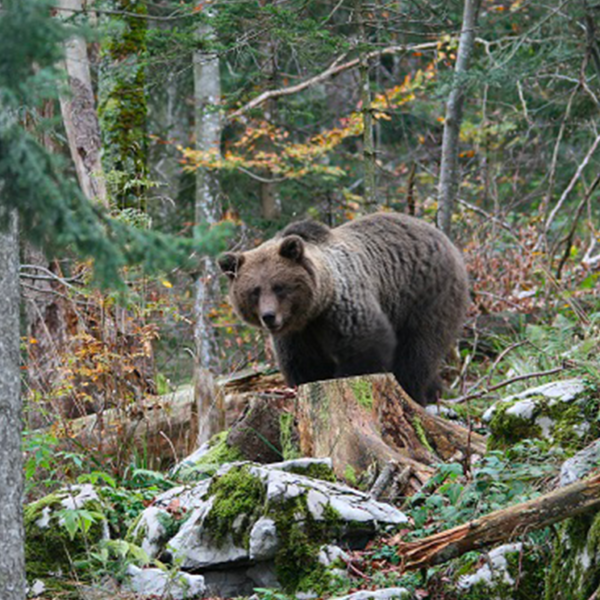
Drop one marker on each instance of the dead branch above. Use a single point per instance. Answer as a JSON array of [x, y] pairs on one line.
[[509, 381], [502, 525], [334, 69]]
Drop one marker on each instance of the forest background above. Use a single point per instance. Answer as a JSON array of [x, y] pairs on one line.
[[158, 133]]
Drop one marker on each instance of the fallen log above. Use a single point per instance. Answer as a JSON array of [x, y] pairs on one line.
[[502, 525], [364, 421]]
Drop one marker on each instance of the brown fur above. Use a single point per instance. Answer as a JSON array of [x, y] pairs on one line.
[[386, 292]]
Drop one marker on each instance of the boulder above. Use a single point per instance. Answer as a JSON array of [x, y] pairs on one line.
[[164, 584], [268, 522], [561, 411], [60, 528]]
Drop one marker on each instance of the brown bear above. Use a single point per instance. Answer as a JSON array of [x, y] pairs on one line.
[[384, 293]]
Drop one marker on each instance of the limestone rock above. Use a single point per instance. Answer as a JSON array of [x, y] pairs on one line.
[[249, 516], [561, 411], [163, 584], [579, 465], [52, 540]]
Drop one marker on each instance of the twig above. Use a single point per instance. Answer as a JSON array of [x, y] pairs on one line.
[[493, 388], [334, 69], [569, 238], [572, 183]]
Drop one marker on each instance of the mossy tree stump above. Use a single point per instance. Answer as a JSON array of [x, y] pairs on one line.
[[367, 420]]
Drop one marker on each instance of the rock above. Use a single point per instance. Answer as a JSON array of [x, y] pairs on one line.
[[329, 553], [561, 411], [495, 570], [250, 517], [53, 540], [574, 570], [263, 539], [164, 584], [578, 466], [394, 593], [508, 572]]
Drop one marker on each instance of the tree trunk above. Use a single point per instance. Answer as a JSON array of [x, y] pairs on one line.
[[448, 185], [79, 114], [207, 96], [502, 525], [370, 186], [162, 428], [364, 421], [12, 537]]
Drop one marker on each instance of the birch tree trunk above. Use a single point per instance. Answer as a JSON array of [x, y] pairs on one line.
[[207, 97], [79, 113], [12, 537], [448, 185]]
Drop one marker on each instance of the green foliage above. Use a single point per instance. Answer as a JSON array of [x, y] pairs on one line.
[[498, 480], [54, 213]]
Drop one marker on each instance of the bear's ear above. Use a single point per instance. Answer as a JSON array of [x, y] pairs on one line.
[[230, 262], [292, 247]]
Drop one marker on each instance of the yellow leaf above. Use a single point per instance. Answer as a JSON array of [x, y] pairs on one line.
[[33, 341], [167, 284]]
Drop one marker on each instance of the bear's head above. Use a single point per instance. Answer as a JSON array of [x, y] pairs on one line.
[[272, 286]]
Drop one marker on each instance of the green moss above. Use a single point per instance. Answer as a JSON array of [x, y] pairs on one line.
[[316, 471], [420, 431], [301, 536], [507, 429], [363, 392], [219, 453], [238, 494], [574, 572], [527, 571], [50, 550], [289, 447], [350, 475]]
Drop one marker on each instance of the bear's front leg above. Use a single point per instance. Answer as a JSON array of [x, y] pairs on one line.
[[301, 358], [364, 344]]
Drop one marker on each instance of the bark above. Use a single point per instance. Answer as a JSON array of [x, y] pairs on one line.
[[162, 428], [502, 525], [448, 185], [207, 96], [364, 421], [12, 537], [269, 192], [79, 114], [370, 188]]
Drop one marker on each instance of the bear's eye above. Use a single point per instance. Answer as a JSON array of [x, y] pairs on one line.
[[255, 293], [279, 289]]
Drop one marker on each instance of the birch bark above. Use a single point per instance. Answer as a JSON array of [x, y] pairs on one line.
[[207, 96], [448, 185], [12, 537]]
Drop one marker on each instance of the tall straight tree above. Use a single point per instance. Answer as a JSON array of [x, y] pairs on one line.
[[12, 535], [448, 185], [208, 126], [78, 108]]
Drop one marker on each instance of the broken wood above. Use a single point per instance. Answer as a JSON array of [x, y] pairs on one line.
[[502, 525], [160, 428], [364, 421]]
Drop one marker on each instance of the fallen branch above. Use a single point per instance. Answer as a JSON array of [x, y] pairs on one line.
[[503, 525], [508, 382], [334, 69]]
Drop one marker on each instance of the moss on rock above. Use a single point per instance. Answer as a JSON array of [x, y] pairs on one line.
[[50, 549], [574, 572], [239, 499]]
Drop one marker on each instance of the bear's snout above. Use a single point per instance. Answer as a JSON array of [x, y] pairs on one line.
[[269, 320]]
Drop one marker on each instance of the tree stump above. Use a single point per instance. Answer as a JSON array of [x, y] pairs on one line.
[[364, 421]]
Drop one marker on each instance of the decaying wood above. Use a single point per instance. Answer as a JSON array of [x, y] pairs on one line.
[[161, 428], [364, 420], [502, 525]]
